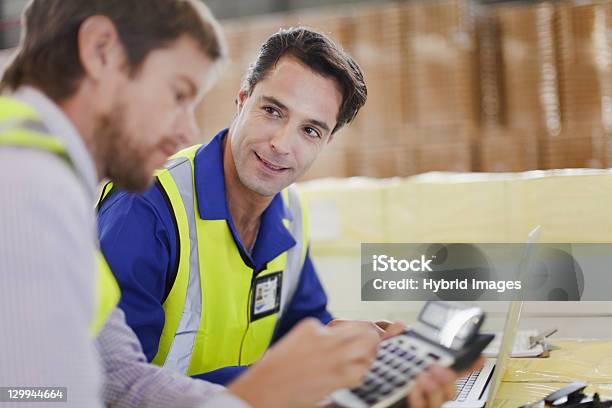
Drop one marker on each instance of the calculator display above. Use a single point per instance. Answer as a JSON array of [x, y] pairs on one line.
[[435, 314], [453, 323]]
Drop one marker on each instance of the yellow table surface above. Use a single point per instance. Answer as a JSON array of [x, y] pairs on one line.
[[529, 379]]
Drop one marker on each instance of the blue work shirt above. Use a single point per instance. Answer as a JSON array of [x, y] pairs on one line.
[[139, 239]]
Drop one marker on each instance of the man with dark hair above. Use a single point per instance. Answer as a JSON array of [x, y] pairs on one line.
[[213, 260], [106, 89]]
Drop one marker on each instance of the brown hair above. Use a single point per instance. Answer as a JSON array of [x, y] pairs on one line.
[[48, 56], [320, 54]]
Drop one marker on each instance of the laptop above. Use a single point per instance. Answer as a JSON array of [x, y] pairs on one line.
[[481, 386]]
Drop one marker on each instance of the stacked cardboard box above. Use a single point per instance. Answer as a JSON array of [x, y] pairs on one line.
[[508, 150], [218, 107], [385, 152], [526, 74], [441, 42], [605, 71], [585, 61], [490, 69], [605, 67], [377, 47], [446, 149], [332, 21], [584, 57], [379, 148], [529, 68], [577, 146]]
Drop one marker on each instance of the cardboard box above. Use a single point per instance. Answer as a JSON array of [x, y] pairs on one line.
[[441, 43], [578, 146], [377, 48], [458, 156], [585, 59], [508, 150], [528, 46], [382, 152]]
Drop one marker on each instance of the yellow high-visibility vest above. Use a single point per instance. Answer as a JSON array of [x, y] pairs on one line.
[[208, 311], [21, 126]]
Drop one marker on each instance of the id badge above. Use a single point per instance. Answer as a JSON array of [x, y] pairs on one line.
[[265, 299]]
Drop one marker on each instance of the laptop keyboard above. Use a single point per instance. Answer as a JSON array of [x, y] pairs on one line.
[[464, 386]]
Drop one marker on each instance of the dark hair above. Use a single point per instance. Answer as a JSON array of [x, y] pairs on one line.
[[323, 56], [48, 56]]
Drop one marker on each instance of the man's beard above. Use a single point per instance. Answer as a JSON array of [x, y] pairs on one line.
[[124, 161]]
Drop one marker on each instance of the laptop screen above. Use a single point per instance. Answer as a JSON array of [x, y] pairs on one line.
[[514, 313]]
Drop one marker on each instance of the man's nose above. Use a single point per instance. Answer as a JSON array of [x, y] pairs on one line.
[[281, 141]]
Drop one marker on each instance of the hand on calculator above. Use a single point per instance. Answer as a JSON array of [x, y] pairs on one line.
[[410, 366], [434, 386], [364, 367], [307, 364]]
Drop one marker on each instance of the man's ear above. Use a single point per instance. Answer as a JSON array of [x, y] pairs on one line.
[[100, 48], [240, 100]]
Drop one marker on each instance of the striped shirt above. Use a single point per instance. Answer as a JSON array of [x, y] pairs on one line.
[[47, 267]]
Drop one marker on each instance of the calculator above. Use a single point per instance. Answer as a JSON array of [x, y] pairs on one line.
[[447, 333]]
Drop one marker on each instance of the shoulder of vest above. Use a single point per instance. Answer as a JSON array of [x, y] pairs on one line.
[[182, 157], [12, 108], [21, 126]]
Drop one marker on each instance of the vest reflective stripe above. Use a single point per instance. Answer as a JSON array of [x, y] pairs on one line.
[[12, 110], [20, 127], [181, 347], [207, 322], [104, 193], [295, 259]]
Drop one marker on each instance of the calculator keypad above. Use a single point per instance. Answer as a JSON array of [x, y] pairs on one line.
[[398, 361]]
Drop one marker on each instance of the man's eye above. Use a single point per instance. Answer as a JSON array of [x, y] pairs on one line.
[[271, 111], [312, 132], [180, 97]]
